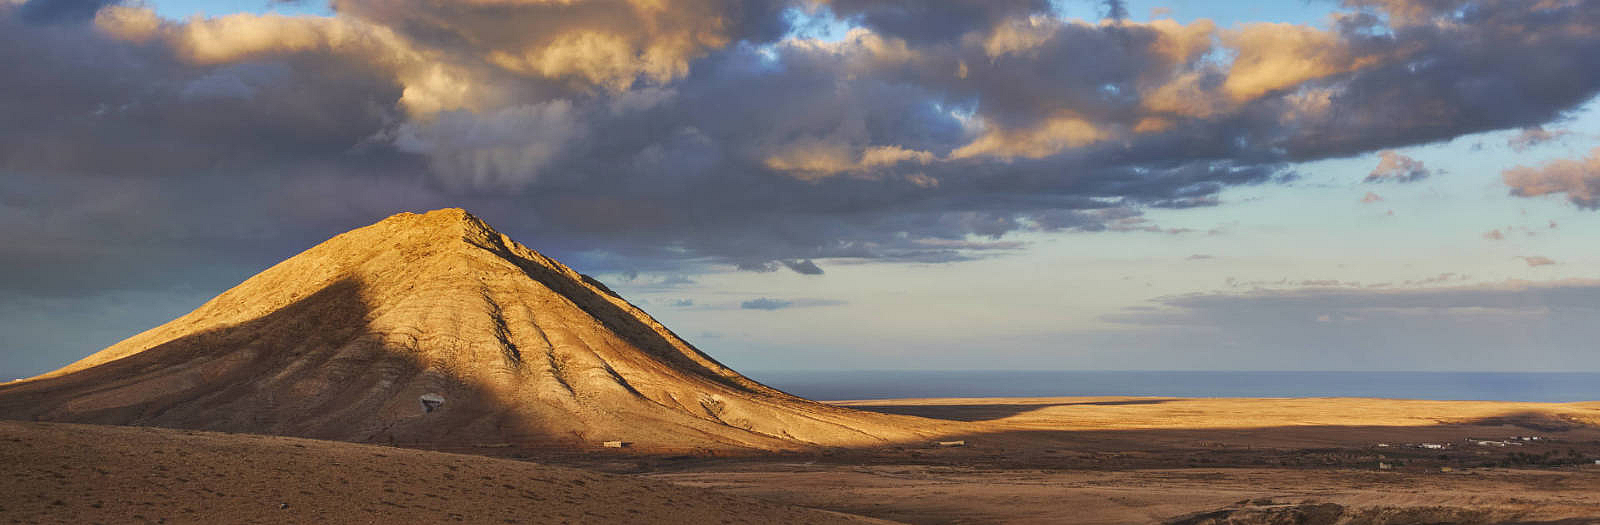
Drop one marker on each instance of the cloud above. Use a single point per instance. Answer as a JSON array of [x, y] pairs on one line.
[[765, 304], [60, 11], [1575, 294], [933, 23], [758, 267], [1536, 260], [803, 267], [1393, 166], [611, 46], [1370, 198], [967, 244], [1423, 93], [505, 148], [676, 280], [1578, 178], [1534, 136], [769, 304], [1116, 9], [1200, 257], [630, 136], [1276, 56], [1511, 325], [1494, 235], [1441, 278]]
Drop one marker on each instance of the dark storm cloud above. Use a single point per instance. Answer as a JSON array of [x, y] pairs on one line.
[[1455, 67], [758, 267], [83, 102], [60, 11], [124, 166], [803, 267], [926, 21], [81, 235], [622, 136]]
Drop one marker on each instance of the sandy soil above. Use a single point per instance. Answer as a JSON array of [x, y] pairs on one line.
[[1130, 413], [80, 474]]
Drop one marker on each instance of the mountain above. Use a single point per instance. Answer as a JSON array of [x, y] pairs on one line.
[[435, 329]]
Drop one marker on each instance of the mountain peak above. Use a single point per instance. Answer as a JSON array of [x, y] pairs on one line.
[[342, 340], [433, 218], [441, 225]]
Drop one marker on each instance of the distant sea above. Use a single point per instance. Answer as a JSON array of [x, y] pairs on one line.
[[1488, 386]]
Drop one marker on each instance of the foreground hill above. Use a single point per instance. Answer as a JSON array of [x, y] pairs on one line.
[[345, 341], [58, 473]]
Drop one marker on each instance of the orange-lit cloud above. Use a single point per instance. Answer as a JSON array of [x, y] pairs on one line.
[[1275, 56], [1579, 179], [1396, 167]]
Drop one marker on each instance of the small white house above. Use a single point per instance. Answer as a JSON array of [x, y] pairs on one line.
[[431, 402]]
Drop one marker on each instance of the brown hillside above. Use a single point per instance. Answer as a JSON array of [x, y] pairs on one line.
[[342, 340], [95, 474]]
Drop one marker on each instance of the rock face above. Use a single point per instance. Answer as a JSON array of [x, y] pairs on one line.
[[343, 340]]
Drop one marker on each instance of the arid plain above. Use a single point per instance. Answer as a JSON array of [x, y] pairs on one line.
[[1169, 460]]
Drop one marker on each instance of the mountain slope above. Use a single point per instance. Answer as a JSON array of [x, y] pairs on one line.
[[342, 340]]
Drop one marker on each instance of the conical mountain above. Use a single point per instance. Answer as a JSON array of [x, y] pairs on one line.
[[345, 340]]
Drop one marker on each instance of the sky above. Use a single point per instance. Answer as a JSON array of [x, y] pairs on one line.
[[844, 184]]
